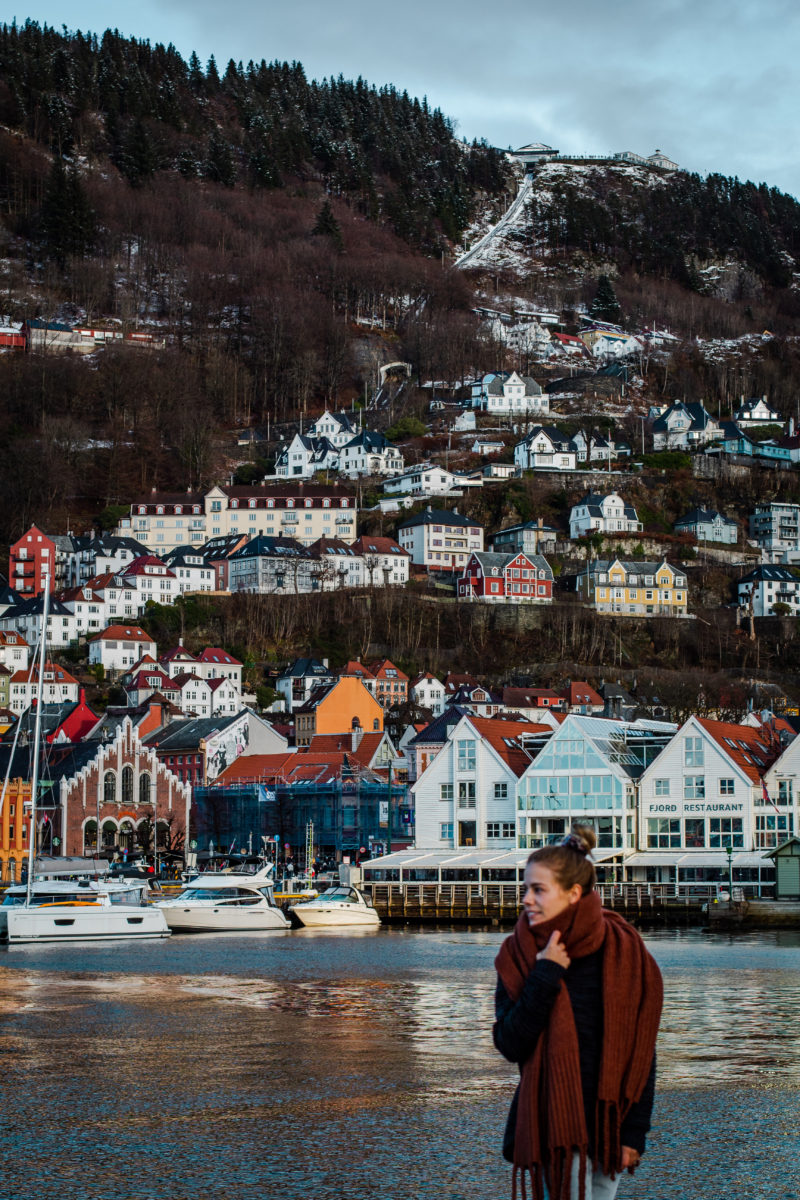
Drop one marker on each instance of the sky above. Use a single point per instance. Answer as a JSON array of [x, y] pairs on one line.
[[712, 84]]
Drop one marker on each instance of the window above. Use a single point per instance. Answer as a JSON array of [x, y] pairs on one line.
[[109, 787], [492, 829], [772, 829], [127, 785], [662, 787], [508, 829], [466, 793], [144, 788], [446, 791], [726, 831], [446, 831], [784, 791], [663, 834], [694, 832], [501, 791], [726, 787], [466, 755], [693, 752], [694, 787]]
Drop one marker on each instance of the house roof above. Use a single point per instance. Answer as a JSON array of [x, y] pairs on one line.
[[187, 735], [266, 767], [139, 567], [126, 633], [770, 573], [303, 667], [436, 733], [751, 749], [365, 751], [381, 669], [32, 674], [379, 545], [271, 547], [437, 516], [453, 681], [704, 516], [355, 668], [522, 697], [581, 693], [140, 682], [504, 738], [214, 654], [177, 654], [10, 637]]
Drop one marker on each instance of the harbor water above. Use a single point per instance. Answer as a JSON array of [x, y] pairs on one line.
[[330, 1065]]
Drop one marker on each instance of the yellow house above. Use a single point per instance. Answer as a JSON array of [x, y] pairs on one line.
[[338, 708], [638, 589], [14, 825]]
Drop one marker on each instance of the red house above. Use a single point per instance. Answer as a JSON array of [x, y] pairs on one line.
[[507, 578], [33, 554]]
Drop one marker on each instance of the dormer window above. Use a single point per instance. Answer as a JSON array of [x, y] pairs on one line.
[[142, 509], [345, 503], [290, 503], [234, 503], [309, 503], [195, 508], [160, 509], [326, 503], [178, 509], [270, 503]]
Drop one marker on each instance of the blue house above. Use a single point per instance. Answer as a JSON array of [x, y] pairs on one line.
[[709, 526]]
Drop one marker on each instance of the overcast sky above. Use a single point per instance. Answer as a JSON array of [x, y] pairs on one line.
[[713, 84]]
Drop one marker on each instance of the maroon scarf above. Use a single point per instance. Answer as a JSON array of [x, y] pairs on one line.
[[551, 1125]]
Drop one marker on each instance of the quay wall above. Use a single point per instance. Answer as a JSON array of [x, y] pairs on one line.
[[755, 914]]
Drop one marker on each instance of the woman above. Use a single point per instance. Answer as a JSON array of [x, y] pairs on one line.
[[577, 1005]]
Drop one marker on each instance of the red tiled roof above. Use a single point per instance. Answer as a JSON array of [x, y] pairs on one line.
[[139, 682], [499, 734], [185, 677], [255, 766], [139, 565], [383, 665], [356, 668], [213, 654], [454, 681], [32, 674], [581, 693], [751, 749], [327, 743], [9, 637], [126, 633]]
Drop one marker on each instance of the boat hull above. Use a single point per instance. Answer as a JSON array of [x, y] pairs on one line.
[[317, 918], [223, 919], [93, 923]]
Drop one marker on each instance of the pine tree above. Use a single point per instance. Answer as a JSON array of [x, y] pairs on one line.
[[67, 220], [220, 166], [605, 306], [327, 225]]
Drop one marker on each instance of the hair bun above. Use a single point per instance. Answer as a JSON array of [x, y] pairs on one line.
[[582, 838]]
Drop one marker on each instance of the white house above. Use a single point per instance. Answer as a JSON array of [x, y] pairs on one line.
[[120, 646], [768, 585], [546, 449], [604, 513], [339, 428], [370, 454], [305, 455], [26, 619], [226, 699], [192, 570], [14, 651], [58, 686], [428, 692], [215, 663], [702, 794], [506, 393], [606, 344], [467, 795], [597, 447], [757, 412], [440, 540], [385, 562], [682, 426], [152, 580], [775, 526], [424, 480], [525, 336]]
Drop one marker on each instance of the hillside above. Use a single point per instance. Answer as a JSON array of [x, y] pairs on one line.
[[284, 238]]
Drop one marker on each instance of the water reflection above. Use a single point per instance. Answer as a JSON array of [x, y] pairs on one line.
[[247, 1066]]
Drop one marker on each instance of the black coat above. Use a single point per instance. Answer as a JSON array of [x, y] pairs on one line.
[[517, 1029]]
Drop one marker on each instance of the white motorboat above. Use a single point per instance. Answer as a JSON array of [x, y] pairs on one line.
[[338, 906], [62, 910], [217, 902]]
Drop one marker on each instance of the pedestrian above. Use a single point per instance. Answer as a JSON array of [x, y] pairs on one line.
[[577, 1007]]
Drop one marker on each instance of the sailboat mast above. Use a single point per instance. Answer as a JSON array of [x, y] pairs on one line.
[[37, 738]]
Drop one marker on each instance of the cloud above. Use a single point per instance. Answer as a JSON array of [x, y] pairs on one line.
[[712, 84]]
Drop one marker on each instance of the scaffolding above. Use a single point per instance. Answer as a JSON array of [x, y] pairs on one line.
[[349, 816]]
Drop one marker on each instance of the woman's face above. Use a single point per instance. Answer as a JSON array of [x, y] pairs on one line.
[[544, 896]]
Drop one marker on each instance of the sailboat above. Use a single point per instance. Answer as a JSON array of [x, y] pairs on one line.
[[55, 909]]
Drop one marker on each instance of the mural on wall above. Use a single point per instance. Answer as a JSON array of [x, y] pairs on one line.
[[226, 746]]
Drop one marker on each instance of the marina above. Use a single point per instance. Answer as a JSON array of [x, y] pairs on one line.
[[204, 1058]]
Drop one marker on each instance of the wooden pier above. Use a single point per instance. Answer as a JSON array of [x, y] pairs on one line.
[[500, 903]]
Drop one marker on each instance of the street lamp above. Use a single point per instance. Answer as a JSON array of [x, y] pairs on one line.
[[729, 852]]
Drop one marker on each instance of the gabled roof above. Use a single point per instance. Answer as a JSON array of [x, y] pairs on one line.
[[752, 750], [355, 668], [365, 751], [140, 682], [529, 697], [266, 767], [214, 654], [139, 567], [187, 735], [559, 440], [123, 633], [177, 654], [453, 681], [379, 545], [271, 547], [436, 733], [381, 668], [704, 516], [437, 516], [10, 637], [505, 739], [303, 667], [770, 573], [32, 674], [582, 693]]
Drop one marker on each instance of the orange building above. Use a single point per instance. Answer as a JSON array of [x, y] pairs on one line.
[[14, 824], [341, 707]]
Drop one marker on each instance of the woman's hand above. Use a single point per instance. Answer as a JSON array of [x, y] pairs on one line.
[[630, 1157], [555, 952]]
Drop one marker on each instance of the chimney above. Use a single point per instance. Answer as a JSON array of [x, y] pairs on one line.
[[356, 735], [180, 641]]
